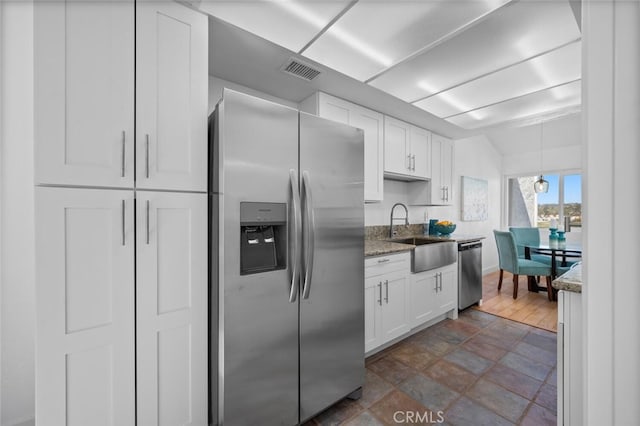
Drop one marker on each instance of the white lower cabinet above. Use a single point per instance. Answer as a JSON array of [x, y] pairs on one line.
[[570, 358], [386, 298], [171, 314], [85, 354], [397, 301], [121, 307], [434, 293]]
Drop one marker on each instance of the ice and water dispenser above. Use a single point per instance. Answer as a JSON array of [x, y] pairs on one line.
[[263, 237]]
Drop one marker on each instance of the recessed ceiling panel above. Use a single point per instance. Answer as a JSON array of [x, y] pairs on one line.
[[375, 34], [551, 69], [514, 33], [538, 103], [291, 24]]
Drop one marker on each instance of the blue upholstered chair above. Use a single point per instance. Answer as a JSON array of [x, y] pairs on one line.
[[510, 261]]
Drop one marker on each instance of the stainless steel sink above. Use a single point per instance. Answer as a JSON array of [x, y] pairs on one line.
[[430, 254]]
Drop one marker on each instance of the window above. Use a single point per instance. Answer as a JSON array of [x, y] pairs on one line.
[[563, 200]]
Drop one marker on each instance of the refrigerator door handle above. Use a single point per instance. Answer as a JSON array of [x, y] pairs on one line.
[[294, 259], [309, 234]]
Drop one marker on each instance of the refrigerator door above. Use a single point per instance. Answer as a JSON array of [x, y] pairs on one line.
[[258, 322], [332, 298]]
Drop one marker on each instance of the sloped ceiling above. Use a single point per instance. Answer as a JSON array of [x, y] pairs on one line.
[[473, 64]]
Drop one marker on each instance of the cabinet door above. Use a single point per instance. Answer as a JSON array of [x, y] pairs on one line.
[[84, 92], [447, 170], [395, 313], [437, 188], [372, 305], [171, 314], [85, 307], [172, 91], [334, 109], [421, 152], [372, 123], [423, 297], [396, 147], [447, 295]]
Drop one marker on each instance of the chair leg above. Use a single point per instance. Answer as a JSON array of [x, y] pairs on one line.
[[549, 288], [500, 280], [515, 286]]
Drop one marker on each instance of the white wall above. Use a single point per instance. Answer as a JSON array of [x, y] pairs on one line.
[[17, 217], [476, 157]]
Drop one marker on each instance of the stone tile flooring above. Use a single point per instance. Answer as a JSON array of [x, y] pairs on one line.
[[477, 370]]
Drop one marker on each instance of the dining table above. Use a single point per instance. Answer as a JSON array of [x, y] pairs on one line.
[[558, 251]]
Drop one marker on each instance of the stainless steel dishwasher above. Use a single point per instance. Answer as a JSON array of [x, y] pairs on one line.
[[469, 274]]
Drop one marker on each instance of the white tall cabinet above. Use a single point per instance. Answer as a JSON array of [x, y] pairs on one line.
[[84, 92], [85, 292], [121, 296]]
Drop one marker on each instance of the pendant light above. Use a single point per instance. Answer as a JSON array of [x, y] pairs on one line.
[[541, 185]]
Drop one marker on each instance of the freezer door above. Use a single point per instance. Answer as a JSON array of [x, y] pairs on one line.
[[332, 299], [258, 323]]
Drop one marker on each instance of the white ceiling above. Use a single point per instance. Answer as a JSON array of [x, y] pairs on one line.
[[472, 63]]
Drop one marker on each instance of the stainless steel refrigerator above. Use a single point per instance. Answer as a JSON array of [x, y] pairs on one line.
[[287, 263]]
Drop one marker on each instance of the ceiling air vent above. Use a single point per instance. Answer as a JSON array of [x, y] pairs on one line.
[[300, 69]]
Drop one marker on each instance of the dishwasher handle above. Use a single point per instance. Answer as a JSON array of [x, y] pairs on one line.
[[469, 246]]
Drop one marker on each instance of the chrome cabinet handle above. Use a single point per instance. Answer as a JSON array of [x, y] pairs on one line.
[[310, 235], [443, 198], [436, 284], [380, 293], [294, 259], [146, 155], [413, 163], [123, 152], [383, 260], [440, 273], [447, 192], [409, 162], [123, 223], [147, 214], [386, 285]]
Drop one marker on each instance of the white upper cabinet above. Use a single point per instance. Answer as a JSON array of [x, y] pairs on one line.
[[172, 97], [406, 150], [85, 300], [84, 93], [441, 185], [420, 151], [371, 122]]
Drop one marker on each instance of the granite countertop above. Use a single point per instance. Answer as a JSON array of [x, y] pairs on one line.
[[380, 247], [570, 280], [377, 247]]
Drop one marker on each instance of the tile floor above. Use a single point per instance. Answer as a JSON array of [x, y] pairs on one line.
[[477, 370]]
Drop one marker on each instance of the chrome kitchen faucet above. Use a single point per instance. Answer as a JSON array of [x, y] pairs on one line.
[[406, 218]]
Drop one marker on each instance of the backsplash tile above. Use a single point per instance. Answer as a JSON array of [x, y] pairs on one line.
[[381, 232]]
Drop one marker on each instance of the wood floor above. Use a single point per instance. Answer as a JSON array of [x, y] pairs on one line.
[[529, 308]]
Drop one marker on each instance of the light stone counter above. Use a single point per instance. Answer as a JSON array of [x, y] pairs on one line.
[[570, 280]]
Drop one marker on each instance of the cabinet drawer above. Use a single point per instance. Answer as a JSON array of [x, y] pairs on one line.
[[387, 263]]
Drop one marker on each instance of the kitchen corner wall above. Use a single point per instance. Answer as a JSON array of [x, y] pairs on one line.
[[17, 245], [474, 157]]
